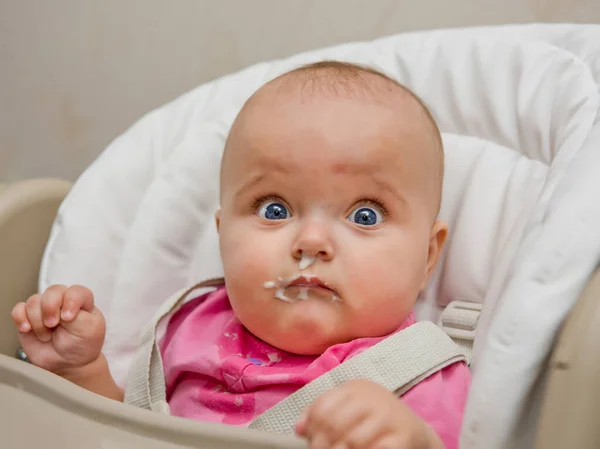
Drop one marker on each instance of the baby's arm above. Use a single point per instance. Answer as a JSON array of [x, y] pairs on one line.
[[62, 331], [96, 378]]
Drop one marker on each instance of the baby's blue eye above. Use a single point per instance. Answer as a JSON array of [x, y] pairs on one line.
[[273, 211], [365, 216]]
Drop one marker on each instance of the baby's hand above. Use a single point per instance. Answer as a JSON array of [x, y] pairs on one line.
[[361, 414], [61, 329]]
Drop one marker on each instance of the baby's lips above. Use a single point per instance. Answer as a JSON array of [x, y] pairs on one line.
[[312, 280], [308, 281]]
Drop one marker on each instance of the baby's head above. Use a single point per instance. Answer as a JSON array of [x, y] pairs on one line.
[[331, 183]]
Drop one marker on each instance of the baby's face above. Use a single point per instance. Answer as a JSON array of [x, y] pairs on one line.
[[338, 182]]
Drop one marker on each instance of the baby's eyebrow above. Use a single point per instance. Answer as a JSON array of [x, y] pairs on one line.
[[254, 181], [268, 165], [385, 186], [369, 170]]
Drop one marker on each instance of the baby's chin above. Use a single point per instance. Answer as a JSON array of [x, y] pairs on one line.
[[302, 335], [300, 346]]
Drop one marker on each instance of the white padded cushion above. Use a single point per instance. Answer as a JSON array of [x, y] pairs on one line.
[[518, 107]]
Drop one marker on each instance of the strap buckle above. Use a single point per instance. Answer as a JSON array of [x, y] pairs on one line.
[[459, 319], [20, 354]]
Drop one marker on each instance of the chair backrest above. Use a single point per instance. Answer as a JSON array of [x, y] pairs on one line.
[[518, 107]]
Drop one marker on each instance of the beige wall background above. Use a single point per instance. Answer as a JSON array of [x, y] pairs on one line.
[[76, 73]]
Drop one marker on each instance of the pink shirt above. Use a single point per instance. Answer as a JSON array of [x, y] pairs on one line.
[[217, 371]]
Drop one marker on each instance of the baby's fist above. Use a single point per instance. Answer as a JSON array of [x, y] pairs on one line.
[[60, 329], [362, 414]]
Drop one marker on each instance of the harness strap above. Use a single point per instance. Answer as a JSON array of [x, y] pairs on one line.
[[146, 383]]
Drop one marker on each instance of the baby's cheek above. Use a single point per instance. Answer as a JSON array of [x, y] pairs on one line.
[[238, 247], [387, 283], [374, 269], [247, 262]]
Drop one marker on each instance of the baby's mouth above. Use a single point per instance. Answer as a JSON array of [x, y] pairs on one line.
[[301, 284], [309, 281]]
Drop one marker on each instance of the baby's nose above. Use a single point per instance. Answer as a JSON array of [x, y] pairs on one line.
[[324, 254], [315, 242]]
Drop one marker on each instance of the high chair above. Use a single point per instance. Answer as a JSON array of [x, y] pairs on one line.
[[518, 108]]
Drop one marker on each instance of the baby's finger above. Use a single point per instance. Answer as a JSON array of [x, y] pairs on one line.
[[320, 441], [347, 419], [364, 433], [19, 316], [51, 303], [323, 416], [34, 316], [76, 298]]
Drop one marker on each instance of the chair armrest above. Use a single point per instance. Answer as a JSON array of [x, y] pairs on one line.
[[571, 404], [27, 211], [41, 410]]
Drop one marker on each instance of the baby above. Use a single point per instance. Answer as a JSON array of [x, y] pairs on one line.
[[331, 184]]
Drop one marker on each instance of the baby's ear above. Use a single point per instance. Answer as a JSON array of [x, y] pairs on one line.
[[439, 232], [218, 218]]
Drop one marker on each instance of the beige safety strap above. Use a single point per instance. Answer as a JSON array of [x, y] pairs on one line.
[[459, 322], [146, 384], [397, 363]]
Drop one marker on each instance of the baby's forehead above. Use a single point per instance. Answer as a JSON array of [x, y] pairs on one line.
[[329, 81], [297, 105], [388, 111], [346, 137]]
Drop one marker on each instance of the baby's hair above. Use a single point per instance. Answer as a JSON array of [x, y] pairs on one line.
[[333, 78]]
